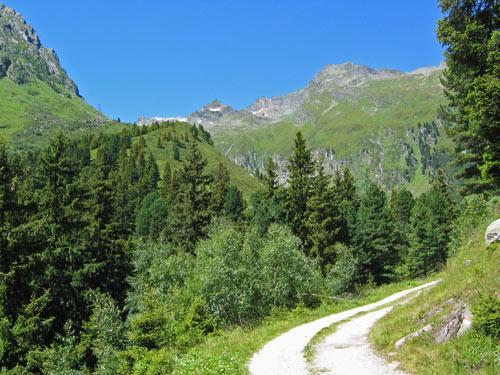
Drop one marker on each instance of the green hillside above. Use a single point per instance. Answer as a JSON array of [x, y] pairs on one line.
[[376, 129], [33, 110], [470, 281], [162, 141]]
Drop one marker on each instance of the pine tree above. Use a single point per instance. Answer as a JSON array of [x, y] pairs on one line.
[[374, 237], [470, 34], [401, 203], [270, 178], [234, 204], [166, 182], [191, 214], [301, 169], [220, 189], [324, 220], [346, 195]]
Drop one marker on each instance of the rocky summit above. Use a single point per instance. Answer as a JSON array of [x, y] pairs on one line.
[[22, 55]]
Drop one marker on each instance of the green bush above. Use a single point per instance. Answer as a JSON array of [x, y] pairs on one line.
[[486, 312], [344, 273], [288, 277], [225, 277]]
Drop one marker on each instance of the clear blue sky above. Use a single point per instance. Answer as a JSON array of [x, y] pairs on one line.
[[161, 57]]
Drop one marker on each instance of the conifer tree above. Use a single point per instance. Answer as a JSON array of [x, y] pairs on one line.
[[301, 169], [324, 221], [374, 237], [470, 34], [271, 177], [220, 189], [191, 214]]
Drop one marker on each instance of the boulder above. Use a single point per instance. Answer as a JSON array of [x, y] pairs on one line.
[[492, 233]]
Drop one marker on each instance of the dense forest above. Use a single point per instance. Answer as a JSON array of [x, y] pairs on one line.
[[110, 265]]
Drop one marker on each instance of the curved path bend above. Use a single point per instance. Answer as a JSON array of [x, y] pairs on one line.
[[285, 354]]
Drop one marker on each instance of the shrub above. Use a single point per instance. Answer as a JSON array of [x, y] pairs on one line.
[[487, 315], [288, 276], [344, 272], [225, 277]]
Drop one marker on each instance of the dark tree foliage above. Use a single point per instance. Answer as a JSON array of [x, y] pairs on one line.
[[470, 32], [191, 213], [301, 170], [325, 221], [374, 237]]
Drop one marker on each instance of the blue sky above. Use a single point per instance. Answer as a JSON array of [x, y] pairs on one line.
[[161, 57]]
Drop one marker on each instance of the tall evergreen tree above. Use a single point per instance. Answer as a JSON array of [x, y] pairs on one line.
[[191, 214], [374, 237], [220, 188], [470, 33], [324, 221], [301, 170]]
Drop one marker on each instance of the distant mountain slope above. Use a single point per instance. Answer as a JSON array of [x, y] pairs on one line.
[[36, 94], [350, 115], [169, 143]]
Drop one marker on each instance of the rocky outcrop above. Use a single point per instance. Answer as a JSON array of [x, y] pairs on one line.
[[492, 233], [411, 336], [457, 323], [22, 55]]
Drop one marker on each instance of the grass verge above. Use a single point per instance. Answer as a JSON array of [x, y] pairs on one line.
[[229, 351], [472, 273]]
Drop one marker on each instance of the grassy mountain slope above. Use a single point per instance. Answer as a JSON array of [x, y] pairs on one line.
[[372, 128], [36, 94], [160, 142], [31, 111], [470, 275]]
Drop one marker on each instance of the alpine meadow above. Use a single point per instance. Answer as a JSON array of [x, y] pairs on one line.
[[350, 226]]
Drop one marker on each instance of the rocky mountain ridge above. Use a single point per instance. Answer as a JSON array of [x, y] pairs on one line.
[[23, 56]]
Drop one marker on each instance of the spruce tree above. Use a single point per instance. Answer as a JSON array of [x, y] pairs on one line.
[[470, 34], [220, 189], [191, 213], [374, 237], [324, 220], [298, 193]]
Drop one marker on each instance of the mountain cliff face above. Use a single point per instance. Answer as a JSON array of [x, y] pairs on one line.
[[36, 94], [22, 55], [381, 123]]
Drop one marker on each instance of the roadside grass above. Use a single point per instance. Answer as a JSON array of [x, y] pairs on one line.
[[229, 351], [471, 273]]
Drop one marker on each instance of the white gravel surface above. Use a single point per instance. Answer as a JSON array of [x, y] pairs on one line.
[[284, 355], [347, 351]]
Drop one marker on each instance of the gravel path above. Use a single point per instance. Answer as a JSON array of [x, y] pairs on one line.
[[347, 351], [284, 355]]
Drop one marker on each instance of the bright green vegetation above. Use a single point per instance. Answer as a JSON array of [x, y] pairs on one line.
[[230, 351], [167, 144], [471, 277], [30, 112]]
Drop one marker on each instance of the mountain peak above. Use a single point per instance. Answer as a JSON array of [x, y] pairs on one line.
[[23, 57]]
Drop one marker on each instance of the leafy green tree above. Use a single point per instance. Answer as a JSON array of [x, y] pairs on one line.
[[344, 273], [271, 177], [470, 34], [288, 276], [301, 170], [374, 237]]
